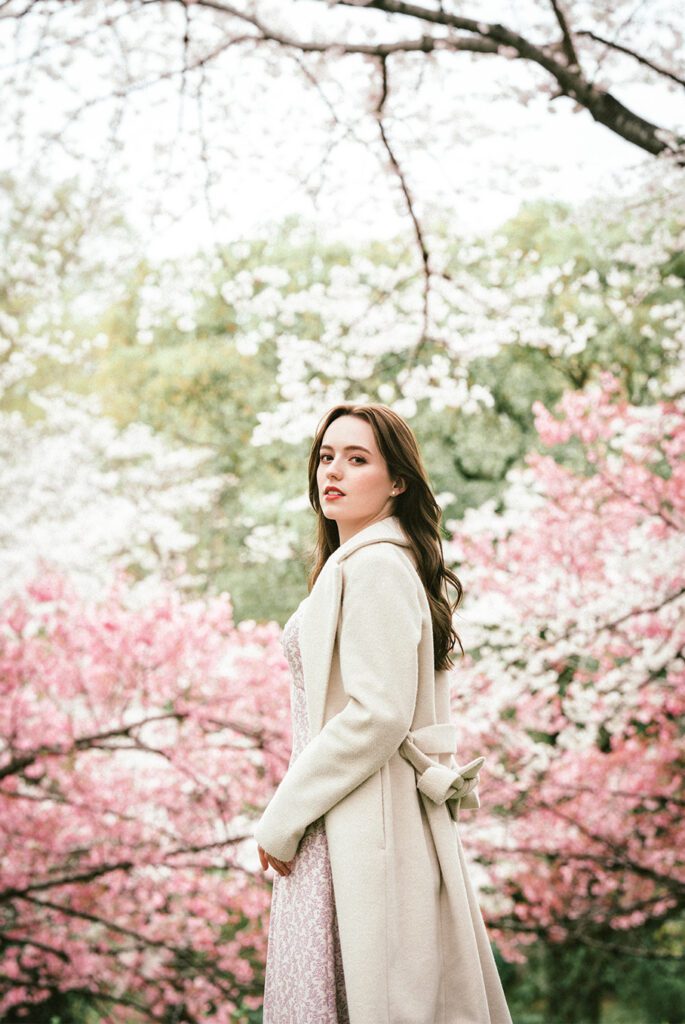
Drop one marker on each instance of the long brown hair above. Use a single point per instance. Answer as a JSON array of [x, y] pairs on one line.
[[416, 508]]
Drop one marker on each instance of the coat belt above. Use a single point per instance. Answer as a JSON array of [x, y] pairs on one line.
[[455, 786]]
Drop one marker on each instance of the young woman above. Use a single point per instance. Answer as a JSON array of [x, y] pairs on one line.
[[374, 919]]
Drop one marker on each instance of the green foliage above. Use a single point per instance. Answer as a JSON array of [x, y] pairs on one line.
[[200, 378], [573, 983]]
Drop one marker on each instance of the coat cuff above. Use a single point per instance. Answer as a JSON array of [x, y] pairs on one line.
[[280, 845]]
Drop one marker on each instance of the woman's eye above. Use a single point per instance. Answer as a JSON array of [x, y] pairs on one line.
[[322, 457]]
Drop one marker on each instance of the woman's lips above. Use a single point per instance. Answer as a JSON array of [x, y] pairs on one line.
[[332, 496]]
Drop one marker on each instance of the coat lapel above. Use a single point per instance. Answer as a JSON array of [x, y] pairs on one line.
[[321, 611]]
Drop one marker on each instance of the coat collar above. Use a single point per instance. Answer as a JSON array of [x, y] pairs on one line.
[[320, 612], [388, 529]]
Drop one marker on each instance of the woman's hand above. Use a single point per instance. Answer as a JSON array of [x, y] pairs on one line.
[[281, 866]]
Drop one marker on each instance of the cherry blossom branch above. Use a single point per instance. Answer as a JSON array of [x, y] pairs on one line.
[[19, 763], [602, 105], [17, 940], [96, 740], [83, 915], [619, 859], [569, 48], [644, 797], [487, 38], [107, 869], [582, 936], [604, 861], [587, 33]]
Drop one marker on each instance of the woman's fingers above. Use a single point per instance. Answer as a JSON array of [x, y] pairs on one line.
[[283, 867], [279, 865]]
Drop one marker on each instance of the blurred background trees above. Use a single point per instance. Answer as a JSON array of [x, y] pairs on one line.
[[172, 328], [166, 434]]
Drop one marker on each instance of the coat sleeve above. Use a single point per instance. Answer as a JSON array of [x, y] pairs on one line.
[[379, 634]]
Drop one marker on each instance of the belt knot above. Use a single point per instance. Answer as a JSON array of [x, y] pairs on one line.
[[455, 786]]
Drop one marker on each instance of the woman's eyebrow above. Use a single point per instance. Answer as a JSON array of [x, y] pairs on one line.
[[349, 448]]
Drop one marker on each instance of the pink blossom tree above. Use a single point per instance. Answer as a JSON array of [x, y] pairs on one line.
[[574, 681], [136, 740]]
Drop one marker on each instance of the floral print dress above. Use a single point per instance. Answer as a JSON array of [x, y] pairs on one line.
[[304, 982]]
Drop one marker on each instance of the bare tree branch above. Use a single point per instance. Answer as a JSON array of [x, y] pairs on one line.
[[423, 248]]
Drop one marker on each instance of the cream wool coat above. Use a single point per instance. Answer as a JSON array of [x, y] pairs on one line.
[[414, 945]]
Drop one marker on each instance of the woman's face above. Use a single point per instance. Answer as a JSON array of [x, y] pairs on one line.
[[350, 461]]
